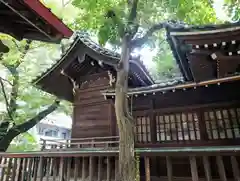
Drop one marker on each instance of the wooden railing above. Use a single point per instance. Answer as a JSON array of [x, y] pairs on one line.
[[219, 164], [77, 143]]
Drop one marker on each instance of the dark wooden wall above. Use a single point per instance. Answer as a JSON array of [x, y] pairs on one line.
[[92, 113]]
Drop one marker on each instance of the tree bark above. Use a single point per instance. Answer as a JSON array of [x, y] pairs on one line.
[[124, 119], [8, 135]]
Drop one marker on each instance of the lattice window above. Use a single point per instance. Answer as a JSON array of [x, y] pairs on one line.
[[142, 129], [223, 123], [177, 127]]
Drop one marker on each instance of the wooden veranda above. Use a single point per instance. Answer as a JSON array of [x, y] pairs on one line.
[[96, 159]]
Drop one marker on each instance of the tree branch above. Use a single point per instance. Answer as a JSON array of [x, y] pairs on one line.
[[14, 92], [5, 80], [133, 12], [21, 128], [6, 100], [140, 41]]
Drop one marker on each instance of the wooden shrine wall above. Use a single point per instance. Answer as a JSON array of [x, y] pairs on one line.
[[192, 117], [92, 113]]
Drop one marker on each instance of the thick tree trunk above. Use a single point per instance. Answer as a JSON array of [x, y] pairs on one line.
[[124, 119]]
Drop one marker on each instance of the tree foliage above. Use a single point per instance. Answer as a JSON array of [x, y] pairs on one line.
[[21, 104]]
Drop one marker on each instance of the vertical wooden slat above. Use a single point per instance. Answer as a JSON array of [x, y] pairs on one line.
[[91, 166], [147, 168], [235, 168], [68, 168], [29, 169], [35, 172], [221, 169], [99, 168], [116, 168], [210, 124], [224, 123], [207, 168], [24, 167], [51, 166], [61, 169], [76, 161], [188, 126], [164, 127], [2, 166], [14, 169], [83, 168], [176, 126], [9, 169], [181, 126], [169, 168], [231, 123], [217, 123], [108, 169], [48, 166], [40, 169], [193, 165], [55, 168], [194, 126]]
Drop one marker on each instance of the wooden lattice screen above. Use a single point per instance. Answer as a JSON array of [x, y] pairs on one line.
[[177, 127], [205, 124], [142, 129], [223, 123]]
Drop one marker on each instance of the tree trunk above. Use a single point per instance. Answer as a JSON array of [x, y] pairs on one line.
[[124, 119]]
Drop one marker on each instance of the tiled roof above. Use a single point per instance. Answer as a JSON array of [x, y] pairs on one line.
[[85, 38]]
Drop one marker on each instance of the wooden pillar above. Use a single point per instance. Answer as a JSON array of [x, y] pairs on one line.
[[147, 168], [108, 169], [169, 168], [207, 168], [194, 171], [235, 168], [99, 168], [221, 169]]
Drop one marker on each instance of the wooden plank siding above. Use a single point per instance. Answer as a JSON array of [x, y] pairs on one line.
[[92, 113]]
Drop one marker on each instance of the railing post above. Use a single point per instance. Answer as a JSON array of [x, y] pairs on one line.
[[43, 144]]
